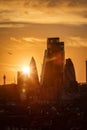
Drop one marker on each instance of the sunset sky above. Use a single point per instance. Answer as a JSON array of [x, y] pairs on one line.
[[25, 26]]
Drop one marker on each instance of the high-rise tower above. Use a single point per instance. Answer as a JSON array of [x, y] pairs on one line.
[[33, 72], [52, 70], [70, 85]]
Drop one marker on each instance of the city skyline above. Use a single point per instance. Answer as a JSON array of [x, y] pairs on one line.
[[10, 70], [26, 25], [43, 64]]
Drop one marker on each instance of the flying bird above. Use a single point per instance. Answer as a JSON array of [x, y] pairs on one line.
[[9, 53]]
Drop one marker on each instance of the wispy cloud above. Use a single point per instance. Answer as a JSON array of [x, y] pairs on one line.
[[15, 40], [32, 39], [76, 42], [25, 43]]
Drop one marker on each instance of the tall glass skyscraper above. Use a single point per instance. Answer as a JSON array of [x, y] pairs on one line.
[[53, 63]]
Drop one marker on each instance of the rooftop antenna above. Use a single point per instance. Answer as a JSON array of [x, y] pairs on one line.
[[4, 79]]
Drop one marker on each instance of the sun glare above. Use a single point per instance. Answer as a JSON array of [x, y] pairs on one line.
[[26, 70]]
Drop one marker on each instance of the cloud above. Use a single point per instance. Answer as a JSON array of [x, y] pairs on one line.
[[15, 40], [53, 3], [32, 39], [76, 42], [10, 24], [25, 43], [46, 11]]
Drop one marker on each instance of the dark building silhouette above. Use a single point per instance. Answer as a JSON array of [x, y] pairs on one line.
[[4, 79], [33, 72], [22, 79], [69, 75], [52, 69], [69, 71]]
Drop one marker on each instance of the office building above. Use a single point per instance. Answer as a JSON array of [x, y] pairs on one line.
[[53, 63]]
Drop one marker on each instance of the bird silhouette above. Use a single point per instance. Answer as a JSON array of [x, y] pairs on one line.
[[9, 53]]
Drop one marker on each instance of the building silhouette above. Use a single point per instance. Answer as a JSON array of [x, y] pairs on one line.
[[22, 79], [69, 79], [33, 72], [53, 63], [4, 79], [52, 69]]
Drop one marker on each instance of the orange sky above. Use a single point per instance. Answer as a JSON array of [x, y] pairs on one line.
[[25, 26]]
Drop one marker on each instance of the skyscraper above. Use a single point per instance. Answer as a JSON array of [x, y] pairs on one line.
[[52, 70], [69, 72], [33, 72], [70, 84]]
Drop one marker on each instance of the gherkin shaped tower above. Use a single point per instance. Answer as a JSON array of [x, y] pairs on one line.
[[34, 73]]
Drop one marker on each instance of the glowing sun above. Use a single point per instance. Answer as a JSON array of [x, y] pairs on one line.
[[26, 70]]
